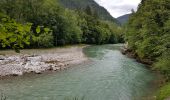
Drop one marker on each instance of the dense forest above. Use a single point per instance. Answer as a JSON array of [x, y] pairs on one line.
[[148, 35], [101, 12], [46, 23]]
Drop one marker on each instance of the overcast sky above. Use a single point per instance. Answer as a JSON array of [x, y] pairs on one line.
[[119, 7]]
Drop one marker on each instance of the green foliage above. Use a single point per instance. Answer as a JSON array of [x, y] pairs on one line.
[[69, 32], [13, 34], [163, 63], [45, 39], [123, 19], [84, 5], [96, 31], [148, 33], [65, 26], [164, 92], [38, 30]]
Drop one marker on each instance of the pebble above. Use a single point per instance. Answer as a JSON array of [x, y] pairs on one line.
[[17, 65], [2, 57], [17, 73]]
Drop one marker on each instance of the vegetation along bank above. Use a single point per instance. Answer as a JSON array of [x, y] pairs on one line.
[[148, 37]]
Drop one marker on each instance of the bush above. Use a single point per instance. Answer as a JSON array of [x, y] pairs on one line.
[[13, 34], [163, 64], [45, 39], [164, 92]]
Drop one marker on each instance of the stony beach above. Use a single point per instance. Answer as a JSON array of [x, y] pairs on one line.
[[39, 60]]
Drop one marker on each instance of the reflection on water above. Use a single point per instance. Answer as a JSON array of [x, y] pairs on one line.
[[108, 75]]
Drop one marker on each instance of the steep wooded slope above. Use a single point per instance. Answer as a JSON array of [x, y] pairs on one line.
[[82, 5], [123, 19]]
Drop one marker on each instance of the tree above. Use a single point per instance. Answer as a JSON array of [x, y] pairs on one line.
[[13, 34], [89, 11], [148, 33]]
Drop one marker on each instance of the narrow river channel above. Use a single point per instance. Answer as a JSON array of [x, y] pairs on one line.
[[108, 75]]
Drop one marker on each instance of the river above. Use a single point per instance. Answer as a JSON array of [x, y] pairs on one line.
[[108, 75]]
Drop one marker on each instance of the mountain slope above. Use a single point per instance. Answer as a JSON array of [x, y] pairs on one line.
[[123, 19], [82, 4]]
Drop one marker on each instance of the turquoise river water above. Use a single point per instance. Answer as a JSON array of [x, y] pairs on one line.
[[108, 75]]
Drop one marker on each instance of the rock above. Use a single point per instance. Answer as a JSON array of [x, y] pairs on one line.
[[56, 68], [17, 73], [27, 65], [35, 67], [38, 72], [2, 57], [13, 58], [123, 51], [50, 67], [61, 64], [34, 55], [36, 63], [22, 63], [35, 59]]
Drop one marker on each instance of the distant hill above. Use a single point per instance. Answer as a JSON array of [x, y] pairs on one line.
[[82, 4], [123, 19]]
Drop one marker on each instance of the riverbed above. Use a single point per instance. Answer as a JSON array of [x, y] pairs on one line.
[[108, 75]]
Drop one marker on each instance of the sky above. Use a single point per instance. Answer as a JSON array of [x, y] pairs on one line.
[[119, 7]]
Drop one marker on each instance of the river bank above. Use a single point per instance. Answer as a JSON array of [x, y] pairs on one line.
[[39, 60], [162, 82], [130, 53]]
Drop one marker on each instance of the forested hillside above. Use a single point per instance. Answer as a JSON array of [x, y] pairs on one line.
[[148, 35], [101, 12], [45, 23], [123, 19]]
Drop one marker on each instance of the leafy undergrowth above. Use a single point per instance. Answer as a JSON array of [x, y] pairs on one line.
[[164, 92]]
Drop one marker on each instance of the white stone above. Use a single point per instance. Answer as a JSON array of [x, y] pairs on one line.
[[56, 68], [27, 65], [38, 72], [17, 73], [35, 59], [61, 64], [2, 57]]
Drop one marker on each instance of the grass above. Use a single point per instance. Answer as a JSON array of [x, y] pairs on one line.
[[164, 92]]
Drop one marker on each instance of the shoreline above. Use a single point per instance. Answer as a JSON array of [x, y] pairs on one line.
[[131, 54], [160, 82], [40, 60]]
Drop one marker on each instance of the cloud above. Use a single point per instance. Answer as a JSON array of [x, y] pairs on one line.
[[119, 7]]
